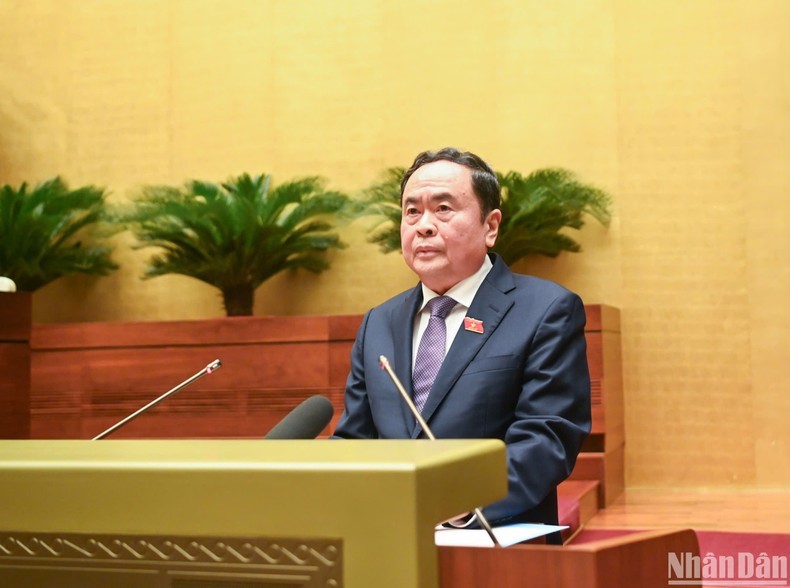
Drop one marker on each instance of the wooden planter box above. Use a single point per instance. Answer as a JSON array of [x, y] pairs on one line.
[[87, 376], [15, 326]]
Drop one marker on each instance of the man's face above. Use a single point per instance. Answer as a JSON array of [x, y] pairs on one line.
[[443, 237]]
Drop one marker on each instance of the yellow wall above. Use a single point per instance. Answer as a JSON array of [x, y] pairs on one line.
[[703, 145], [678, 108]]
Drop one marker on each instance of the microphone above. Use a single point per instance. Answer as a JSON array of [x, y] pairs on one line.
[[385, 365], [212, 367], [7, 284], [305, 421]]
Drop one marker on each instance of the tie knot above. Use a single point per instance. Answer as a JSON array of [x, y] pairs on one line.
[[441, 306]]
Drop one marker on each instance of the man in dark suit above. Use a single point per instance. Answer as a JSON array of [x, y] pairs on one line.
[[514, 365]]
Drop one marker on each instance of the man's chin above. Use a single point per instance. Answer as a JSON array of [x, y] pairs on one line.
[[434, 275], [425, 265]]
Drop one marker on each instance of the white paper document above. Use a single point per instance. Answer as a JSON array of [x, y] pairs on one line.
[[506, 535]]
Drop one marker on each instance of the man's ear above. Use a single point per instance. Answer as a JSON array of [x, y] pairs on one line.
[[493, 219]]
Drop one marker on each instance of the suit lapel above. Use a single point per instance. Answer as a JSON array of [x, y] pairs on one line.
[[403, 336], [490, 305]]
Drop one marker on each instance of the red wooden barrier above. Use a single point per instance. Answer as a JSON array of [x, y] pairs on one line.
[[87, 376], [15, 325]]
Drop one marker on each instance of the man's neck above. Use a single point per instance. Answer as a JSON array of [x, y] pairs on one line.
[[465, 290]]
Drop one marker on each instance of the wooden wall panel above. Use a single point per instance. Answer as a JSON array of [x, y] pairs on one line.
[[15, 316], [14, 390], [605, 467], [87, 376], [117, 370], [605, 360], [15, 326]]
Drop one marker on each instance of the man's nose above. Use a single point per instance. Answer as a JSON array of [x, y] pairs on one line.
[[426, 225]]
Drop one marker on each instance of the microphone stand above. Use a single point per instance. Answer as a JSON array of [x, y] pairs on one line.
[[212, 367], [385, 364]]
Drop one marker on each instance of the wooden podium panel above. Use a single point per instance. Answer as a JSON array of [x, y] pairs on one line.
[[189, 514], [636, 560]]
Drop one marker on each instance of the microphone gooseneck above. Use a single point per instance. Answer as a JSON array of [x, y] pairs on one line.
[[212, 367], [385, 365]]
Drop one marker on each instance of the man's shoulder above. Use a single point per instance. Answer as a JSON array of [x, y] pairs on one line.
[[540, 297], [524, 285], [532, 284], [532, 287], [395, 302]]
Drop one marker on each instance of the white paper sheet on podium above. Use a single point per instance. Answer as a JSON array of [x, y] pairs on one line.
[[506, 535]]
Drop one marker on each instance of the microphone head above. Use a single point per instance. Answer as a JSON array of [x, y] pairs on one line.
[[7, 284], [305, 421]]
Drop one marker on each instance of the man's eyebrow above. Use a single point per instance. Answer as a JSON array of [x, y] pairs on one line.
[[432, 198]]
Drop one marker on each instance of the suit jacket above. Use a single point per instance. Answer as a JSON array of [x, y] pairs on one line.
[[524, 380]]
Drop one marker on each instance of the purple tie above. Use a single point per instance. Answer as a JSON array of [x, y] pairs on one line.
[[430, 353]]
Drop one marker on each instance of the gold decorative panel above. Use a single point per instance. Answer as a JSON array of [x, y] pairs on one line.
[[39, 559]]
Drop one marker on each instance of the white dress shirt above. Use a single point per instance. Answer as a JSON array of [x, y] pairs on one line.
[[463, 293]]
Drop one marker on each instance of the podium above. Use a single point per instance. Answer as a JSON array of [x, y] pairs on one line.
[[634, 560], [235, 514]]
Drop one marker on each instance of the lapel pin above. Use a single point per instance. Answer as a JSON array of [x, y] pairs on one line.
[[474, 325]]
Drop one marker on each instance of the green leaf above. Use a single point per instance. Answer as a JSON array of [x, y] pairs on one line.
[[381, 203], [535, 209], [51, 231], [238, 234]]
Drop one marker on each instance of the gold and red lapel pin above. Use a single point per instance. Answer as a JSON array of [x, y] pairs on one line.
[[473, 324]]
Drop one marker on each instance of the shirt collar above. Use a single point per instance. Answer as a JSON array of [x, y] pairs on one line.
[[464, 291]]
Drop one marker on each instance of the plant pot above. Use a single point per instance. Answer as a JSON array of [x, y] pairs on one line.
[[15, 328]]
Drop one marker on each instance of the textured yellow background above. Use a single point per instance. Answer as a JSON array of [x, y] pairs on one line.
[[678, 108]]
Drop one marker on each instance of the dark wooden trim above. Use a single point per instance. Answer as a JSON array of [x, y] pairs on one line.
[[15, 329]]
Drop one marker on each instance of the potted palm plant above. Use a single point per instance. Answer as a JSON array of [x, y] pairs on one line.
[[535, 209], [51, 231], [46, 232], [238, 234]]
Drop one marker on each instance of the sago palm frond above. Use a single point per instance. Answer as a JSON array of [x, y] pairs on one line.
[[237, 235], [381, 202], [535, 209], [51, 231]]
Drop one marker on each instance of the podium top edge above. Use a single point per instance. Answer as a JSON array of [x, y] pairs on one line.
[[240, 454]]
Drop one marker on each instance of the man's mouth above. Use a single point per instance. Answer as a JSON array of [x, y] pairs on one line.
[[425, 250]]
